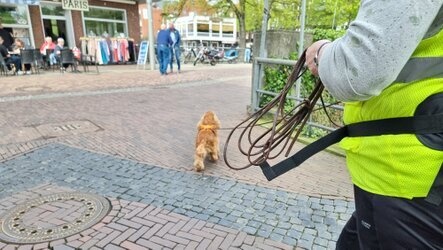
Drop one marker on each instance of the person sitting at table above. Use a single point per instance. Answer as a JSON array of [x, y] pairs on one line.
[[5, 54], [48, 44], [57, 52], [16, 59]]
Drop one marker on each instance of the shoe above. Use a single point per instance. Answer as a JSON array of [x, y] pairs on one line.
[[20, 73], [28, 72]]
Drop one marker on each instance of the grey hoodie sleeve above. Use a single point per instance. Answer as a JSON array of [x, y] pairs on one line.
[[377, 45]]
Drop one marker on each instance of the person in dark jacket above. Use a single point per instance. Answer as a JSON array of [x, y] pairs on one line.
[[175, 48], [8, 40], [164, 43]]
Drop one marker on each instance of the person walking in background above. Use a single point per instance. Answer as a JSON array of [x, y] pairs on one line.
[[164, 43], [175, 48], [248, 53], [389, 65]]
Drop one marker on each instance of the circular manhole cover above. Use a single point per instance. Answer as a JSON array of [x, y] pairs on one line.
[[52, 217], [35, 88]]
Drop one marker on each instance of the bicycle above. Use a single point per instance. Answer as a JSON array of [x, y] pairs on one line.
[[188, 55]]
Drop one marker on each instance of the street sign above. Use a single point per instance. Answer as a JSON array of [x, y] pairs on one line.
[[81, 5], [143, 53]]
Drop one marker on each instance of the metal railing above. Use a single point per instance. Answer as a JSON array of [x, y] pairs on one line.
[[258, 91]]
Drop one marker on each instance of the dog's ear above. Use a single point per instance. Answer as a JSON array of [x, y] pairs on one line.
[[217, 121], [200, 123]]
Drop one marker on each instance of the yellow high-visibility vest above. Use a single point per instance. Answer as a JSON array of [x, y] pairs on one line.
[[399, 165]]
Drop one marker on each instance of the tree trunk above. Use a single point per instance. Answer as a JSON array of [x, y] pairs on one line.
[[242, 38]]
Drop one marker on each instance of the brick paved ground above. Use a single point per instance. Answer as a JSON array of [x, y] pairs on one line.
[[281, 216], [110, 77], [151, 120], [134, 225]]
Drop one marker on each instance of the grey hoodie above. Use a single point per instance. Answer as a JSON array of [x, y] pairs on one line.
[[377, 45]]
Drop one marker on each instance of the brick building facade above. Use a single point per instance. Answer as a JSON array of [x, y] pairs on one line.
[[32, 23]]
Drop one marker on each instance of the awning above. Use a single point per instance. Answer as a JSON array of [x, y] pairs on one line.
[[30, 2]]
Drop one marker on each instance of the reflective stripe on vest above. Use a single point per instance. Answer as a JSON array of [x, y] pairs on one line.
[[420, 68]]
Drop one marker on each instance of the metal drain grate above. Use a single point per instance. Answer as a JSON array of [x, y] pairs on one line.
[[52, 217], [67, 128]]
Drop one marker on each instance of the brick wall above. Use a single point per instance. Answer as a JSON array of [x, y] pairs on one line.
[[157, 21], [77, 22], [37, 26]]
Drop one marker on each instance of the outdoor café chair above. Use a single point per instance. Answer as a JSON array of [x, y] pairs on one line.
[[27, 57], [67, 57], [38, 58], [4, 66]]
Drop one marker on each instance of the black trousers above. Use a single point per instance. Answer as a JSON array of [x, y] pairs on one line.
[[381, 222]]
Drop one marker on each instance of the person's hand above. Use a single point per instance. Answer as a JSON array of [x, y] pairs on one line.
[[311, 53]]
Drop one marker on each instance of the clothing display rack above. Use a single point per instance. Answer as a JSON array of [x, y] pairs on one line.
[[109, 50]]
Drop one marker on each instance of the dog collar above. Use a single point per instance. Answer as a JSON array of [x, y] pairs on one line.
[[207, 126]]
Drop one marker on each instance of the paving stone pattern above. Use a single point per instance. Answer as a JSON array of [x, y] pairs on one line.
[[158, 126], [281, 216], [134, 226]]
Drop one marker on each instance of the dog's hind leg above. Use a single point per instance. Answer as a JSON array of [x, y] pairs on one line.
[[215, 151], [199, 158]]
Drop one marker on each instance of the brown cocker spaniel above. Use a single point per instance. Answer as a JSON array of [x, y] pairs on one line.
[[207, 140]]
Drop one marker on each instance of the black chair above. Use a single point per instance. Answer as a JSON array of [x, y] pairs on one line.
[[27, 57], [67, 57], [86, 60], [38, 58], [4, 66]]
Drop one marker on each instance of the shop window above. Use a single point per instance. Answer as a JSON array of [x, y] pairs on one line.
[[14, 14], [100, 21], [52, 10], [105, 14], [103, 28], [15, 20]]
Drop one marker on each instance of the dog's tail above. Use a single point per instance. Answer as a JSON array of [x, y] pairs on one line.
[[199, 157]]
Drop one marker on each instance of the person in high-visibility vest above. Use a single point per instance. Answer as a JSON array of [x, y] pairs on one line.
[[389, 64]]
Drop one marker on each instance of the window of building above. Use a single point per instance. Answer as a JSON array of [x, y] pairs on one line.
[[14, 14], [228, 30], [191, 29], [216, 29], [52, 10], [202, 29], [15, 19], [102, 21]]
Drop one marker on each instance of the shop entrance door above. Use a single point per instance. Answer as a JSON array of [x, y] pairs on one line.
[[57, 23], [55, 29]]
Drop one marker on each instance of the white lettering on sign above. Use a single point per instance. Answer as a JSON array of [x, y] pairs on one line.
[[81, 5]]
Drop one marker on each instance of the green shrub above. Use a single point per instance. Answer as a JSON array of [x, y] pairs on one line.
[[320, 34]]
